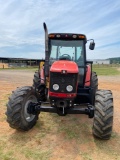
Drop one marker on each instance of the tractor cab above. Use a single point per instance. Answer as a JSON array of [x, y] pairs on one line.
[[67, 47]]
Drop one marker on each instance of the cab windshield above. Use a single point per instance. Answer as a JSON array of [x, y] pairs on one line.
[[72, 50]]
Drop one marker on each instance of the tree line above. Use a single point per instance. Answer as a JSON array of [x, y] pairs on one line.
[[115, 60]]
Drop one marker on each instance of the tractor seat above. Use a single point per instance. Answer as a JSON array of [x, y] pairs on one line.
[[65, 57]]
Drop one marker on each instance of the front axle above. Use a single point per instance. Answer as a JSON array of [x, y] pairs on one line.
[[35, 108]]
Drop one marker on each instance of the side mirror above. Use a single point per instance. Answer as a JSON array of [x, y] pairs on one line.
[[92, 45]]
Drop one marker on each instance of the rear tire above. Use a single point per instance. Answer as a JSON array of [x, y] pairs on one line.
[[40, 89], [103, 116], [94, 84], [17, 115], [94, 81], [36, 79]]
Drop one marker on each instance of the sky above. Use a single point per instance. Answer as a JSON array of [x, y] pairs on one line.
[[21, 25]]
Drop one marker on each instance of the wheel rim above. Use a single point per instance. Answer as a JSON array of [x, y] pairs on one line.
[[29, 117]]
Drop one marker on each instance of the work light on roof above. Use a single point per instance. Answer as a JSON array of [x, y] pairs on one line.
[[74, 36], [58, 35]]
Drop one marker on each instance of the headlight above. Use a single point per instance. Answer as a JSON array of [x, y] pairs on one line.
[[55, 87], [69, 88]]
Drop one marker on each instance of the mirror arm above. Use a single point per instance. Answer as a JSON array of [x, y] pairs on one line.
[[91, 40]]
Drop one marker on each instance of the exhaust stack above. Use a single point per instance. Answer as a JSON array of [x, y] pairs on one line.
[[46, 66]]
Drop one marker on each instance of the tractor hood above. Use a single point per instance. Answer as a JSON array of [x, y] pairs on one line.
[[64, 65]]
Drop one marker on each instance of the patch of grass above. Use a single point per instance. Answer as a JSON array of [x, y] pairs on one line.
[[86, 156], [5, 154], [18, 150], [73, 128], [69, 132], [105, 70], [21, 68], [36, 154]]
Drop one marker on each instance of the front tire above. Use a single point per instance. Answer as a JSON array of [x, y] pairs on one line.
[[103, 117], [17, 115]]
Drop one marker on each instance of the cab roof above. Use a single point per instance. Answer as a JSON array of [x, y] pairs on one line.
[[71, 36]]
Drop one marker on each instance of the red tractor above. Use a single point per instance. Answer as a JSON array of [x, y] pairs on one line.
[[64, 84]]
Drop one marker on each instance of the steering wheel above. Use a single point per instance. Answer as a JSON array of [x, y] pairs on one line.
[[65, 57]]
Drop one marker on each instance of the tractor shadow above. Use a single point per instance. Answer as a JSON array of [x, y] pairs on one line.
[[73, 126], [25, 137]]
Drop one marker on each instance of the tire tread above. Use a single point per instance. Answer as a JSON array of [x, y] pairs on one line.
[[103, 119]]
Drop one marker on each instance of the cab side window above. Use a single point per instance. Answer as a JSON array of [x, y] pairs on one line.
[[79, 56]]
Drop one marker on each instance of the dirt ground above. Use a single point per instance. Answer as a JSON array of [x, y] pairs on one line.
[[54, 137]]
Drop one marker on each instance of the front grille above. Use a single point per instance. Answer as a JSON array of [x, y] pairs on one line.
[[63, 80]]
